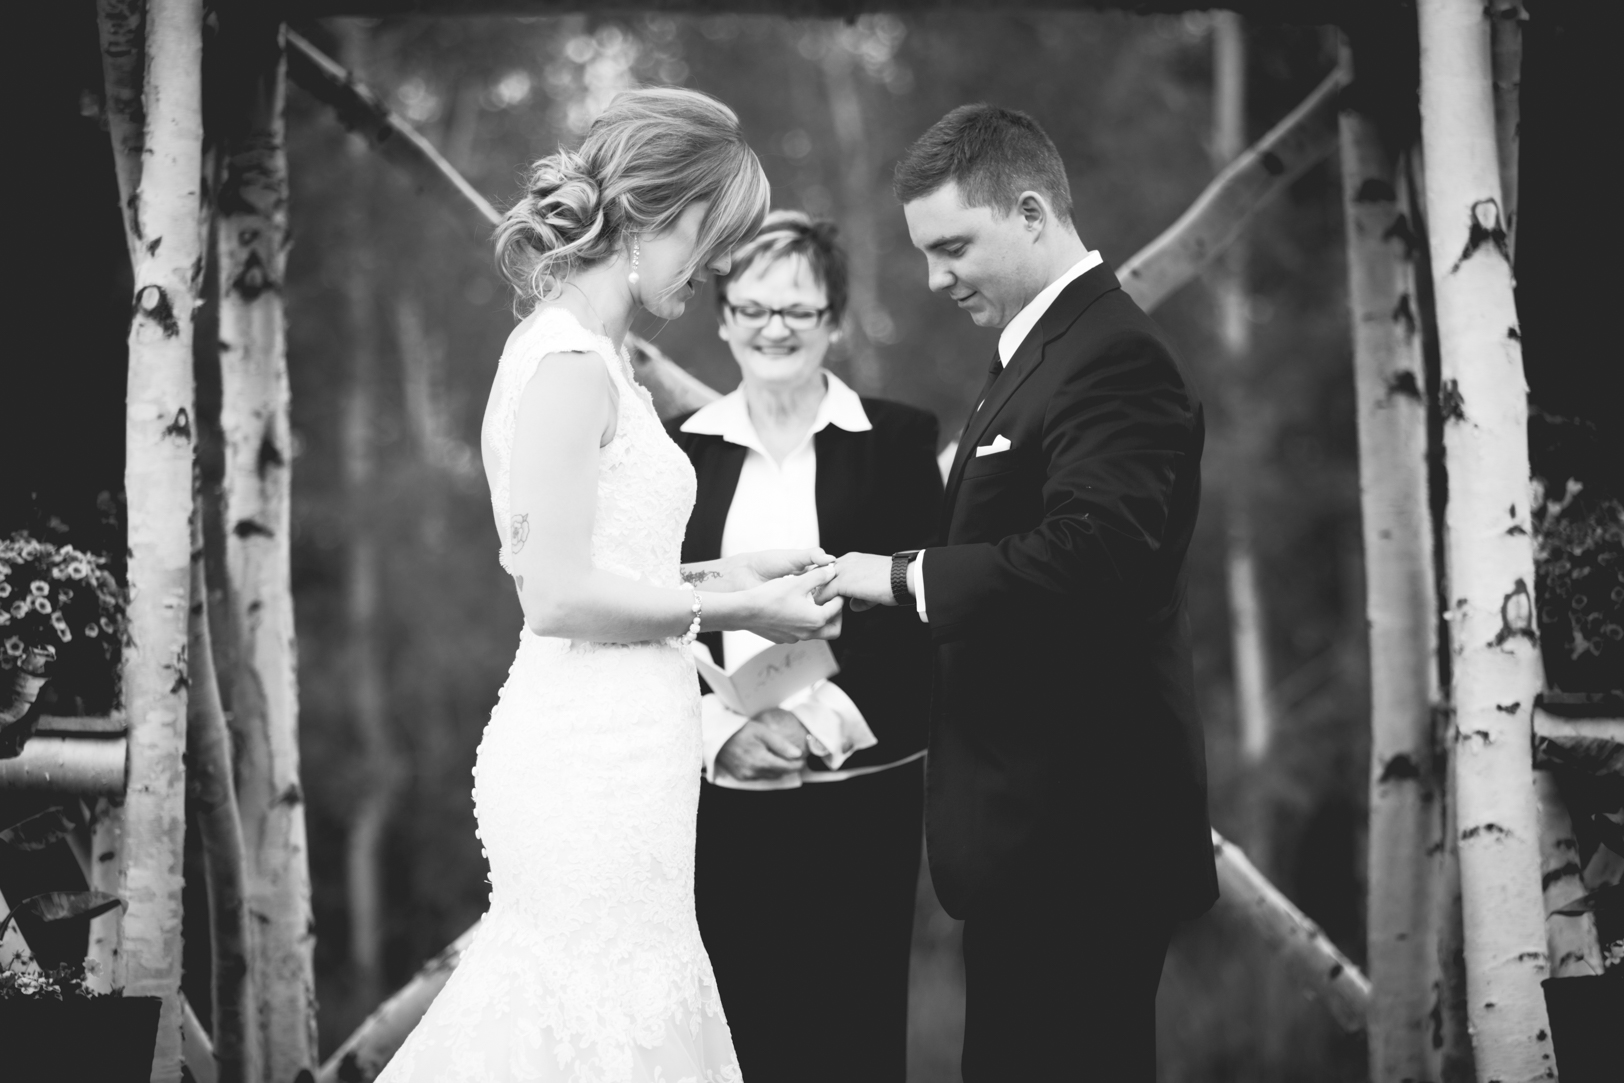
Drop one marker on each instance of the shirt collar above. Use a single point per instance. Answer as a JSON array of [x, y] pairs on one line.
[[729, 416], [1027, 318]]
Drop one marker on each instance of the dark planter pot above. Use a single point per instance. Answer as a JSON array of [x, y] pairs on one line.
[[1586, 1013], [107, 1039]]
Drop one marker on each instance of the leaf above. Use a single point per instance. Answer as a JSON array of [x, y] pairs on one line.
[[1591, 769], [39, 830], [1604, 900], [53, 906], [1612, 834]]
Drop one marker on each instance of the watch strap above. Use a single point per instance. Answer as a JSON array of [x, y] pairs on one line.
[[899, 576]]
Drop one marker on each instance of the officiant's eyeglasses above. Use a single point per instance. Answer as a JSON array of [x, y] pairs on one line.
[[796, 319]]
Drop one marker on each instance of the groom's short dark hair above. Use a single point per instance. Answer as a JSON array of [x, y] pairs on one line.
[[993, 154]]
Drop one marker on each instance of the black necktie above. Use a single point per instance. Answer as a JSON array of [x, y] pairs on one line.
[[995, 370]]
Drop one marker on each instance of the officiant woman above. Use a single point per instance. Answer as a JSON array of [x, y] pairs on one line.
[[809, 854]]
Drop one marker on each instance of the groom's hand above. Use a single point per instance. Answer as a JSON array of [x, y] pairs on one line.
[[770, 745], [864, 578], [753, 569]]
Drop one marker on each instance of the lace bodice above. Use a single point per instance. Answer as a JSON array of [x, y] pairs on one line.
[[645, 482]]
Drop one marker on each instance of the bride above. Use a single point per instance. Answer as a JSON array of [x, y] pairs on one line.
[[589, 966]]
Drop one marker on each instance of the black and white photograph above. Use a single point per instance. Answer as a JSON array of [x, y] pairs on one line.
[[812, 541]]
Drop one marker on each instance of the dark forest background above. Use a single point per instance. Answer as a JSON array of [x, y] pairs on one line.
[[396, 320]]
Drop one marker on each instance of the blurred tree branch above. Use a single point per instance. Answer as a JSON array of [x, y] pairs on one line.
[[1303, 139], [1304, 12], [361, 111]]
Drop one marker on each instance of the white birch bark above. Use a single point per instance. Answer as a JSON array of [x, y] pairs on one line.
[[15, 955], [158, 489], [856, 170], [251, 260], [1508, 16], [1248, 643], [1494, 639], [106, 858], [214, 808], [1221, 213], [381, 775], [364, 1053], [120, 25], [1319, 968], [1389, 379], [1574, 946], [1448, 1018]]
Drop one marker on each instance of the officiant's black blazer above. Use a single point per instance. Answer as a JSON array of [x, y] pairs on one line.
[[878, 491], [1065, 744]]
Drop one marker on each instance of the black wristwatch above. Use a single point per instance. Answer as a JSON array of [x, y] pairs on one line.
[[899, 575]]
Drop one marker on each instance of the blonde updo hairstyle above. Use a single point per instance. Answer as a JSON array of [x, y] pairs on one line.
[[646, 157]]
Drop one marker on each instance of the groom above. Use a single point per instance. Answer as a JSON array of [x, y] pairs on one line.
[[1066, 788]]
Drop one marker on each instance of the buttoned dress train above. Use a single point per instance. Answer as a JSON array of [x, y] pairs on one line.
[[588, 967]]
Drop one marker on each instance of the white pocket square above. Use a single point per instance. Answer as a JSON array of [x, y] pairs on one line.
[[999, 443]]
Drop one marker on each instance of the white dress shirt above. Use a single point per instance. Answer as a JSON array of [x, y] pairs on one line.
[[1009, 341], [775, 507]]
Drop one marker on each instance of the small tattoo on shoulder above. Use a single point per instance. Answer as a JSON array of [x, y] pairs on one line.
[[519, 533], [700, 575]]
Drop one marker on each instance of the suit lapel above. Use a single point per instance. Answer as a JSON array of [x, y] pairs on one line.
[[1064, 311], [839, 483], [1026, 359], [718, 476]]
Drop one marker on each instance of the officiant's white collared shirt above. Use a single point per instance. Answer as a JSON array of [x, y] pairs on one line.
[[1009, 341], [775, 506]]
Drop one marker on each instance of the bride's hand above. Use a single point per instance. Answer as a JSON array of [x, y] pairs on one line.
[[783, 609], [753, 569]]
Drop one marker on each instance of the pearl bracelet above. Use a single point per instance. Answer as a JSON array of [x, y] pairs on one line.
[[693, 629]]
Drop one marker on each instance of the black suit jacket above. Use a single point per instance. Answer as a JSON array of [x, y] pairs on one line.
[[877, 492], [1066, 750]]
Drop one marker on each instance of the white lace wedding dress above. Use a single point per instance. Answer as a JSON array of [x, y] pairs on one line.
[[588, 968]]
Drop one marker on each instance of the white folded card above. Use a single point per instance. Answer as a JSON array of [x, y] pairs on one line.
[[999, 443], [769, 678]]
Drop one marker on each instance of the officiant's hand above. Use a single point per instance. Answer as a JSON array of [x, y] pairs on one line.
[[769, 746], [864, 578]]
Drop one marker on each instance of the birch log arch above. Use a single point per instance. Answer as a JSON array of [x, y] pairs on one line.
[[1494, 643], [1405, 278], [1304, 138], [166, 253]]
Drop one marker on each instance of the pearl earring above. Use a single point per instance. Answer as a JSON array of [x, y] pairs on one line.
[[637, 255]]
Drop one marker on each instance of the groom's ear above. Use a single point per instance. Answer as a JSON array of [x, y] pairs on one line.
[[1034, 210]]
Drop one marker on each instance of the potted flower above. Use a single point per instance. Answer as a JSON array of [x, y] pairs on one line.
[[53, 1024], [55, 600]]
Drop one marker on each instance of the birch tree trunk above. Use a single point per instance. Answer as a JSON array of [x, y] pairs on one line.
[[1301, 140], [1448, 1018], [1494, 639], [1506, 33], [120, 26], [15, 954], [1319, 968], [1390, 377], [1228, 280], [251, 260], [369, 702], [158, 488], [214, 797], [102, 966], [1574, 946], [856, 169]]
